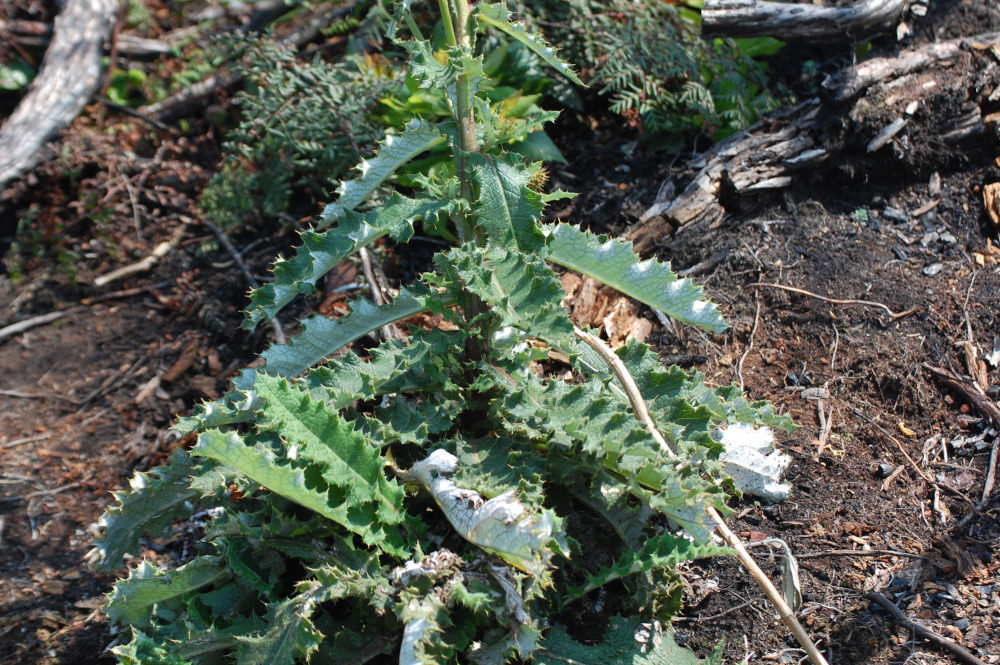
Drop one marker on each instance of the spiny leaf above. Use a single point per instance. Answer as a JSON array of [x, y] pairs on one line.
[[424, 364], [156, 499], [522, 291], [665, 551], [498, 16], [320, 252], [353, 468], [321, 336], [619, 648], [133, 600], [394, 152], [613, 262], [143, 650], [260, 464], [507, 209], [290, 635], [434, 75], [236, 406]]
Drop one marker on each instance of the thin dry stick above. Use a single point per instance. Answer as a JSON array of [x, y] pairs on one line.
[[927, 479], [145, 264], [727, 535], [753, 332], [279, 333], [27, 439], [863, 553], [836, 301], [389, 330], [34, 321], [897, 614]]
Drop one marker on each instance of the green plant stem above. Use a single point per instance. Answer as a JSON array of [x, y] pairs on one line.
[[449, 26], [466, 122], [458, 36]]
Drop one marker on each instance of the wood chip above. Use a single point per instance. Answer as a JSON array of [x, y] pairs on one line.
[[991, 199]]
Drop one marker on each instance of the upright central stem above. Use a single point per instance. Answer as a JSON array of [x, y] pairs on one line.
[[458, 35]]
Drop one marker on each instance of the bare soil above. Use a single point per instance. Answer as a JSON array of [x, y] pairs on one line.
[[904, 462]]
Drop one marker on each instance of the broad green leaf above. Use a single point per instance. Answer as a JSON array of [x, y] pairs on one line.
[[156, 499], [539, 147], [353, 468], [620, 648], [507, 209], [498, 16], [133, 600], [613, 262], [395, 151], [321, 252], [321, 337]]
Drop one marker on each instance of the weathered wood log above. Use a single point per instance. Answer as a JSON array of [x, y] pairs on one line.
[[70, 74], [797, 21], [884, 104]]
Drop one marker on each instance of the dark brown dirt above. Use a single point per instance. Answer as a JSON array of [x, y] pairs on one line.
[[77, 430]]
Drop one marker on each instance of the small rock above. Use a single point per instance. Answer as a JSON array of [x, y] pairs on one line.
[[895, 215], [933, 269], [962, 624], [885, 470], [947, 237], [929, 237], [934, 184]]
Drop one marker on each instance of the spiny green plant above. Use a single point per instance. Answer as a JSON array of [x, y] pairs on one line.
[[441, 499]]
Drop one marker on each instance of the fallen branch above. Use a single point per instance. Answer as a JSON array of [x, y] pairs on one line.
[[835, 301], [957, 650], [984, 404], [724, 532], [70, 74], [797, 21], [197, 95], [147, 263], [26, 395]]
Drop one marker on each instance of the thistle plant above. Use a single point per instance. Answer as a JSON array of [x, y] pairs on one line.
[[443, 498]]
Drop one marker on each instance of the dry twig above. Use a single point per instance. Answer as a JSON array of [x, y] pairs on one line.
[[724, 532], [836, 301], [279, 333], [147, 263], [957, 650]]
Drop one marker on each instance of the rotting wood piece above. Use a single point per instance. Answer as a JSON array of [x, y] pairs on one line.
[[70, 74], [798, 21], [865, 99]]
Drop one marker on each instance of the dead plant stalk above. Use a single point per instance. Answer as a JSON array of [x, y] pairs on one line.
[[724, 532]]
